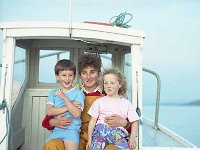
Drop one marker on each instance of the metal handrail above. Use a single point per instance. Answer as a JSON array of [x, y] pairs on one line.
[[157, 96], [43, 56]]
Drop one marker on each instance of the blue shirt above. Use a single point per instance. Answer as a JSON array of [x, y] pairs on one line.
[[74, 94]]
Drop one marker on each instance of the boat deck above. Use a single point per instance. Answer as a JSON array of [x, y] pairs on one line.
[[153, 138], [162, 137]]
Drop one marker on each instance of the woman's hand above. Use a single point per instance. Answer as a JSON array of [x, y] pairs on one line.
[[60, 121], [116, 121]]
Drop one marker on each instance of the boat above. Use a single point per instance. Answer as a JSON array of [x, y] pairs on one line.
[[39, 43], [26, 82]]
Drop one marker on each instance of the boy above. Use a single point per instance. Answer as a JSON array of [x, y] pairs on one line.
[[61, 101]]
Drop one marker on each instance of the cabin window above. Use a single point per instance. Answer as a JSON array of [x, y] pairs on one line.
[[47, 61], [19, 72], [106, 61], [127, 72]]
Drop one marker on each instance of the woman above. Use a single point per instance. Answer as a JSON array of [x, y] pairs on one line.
[[89, 68]]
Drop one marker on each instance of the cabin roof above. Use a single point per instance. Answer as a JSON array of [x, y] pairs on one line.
[[82, 31], [18, 25]]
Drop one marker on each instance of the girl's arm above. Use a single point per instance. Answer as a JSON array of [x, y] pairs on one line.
[[52, 111], [134, 129], [91, 127], [75, 111]]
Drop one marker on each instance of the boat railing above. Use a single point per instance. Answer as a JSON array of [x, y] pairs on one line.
[[157, 95], [43, 56]]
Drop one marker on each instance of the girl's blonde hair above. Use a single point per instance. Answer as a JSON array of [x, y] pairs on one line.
[[121, 79]]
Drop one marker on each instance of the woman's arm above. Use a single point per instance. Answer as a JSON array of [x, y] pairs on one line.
[[46, 122], [116, 121], [59, 121]]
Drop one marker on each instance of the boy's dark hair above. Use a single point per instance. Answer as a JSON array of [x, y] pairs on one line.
[[64, 64], [87, 60]]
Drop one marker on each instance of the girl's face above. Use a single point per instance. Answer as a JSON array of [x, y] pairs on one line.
[[66, 79], [111, 85], [89, 77]]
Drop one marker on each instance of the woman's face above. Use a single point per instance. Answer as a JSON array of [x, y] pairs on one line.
[[89, 77]]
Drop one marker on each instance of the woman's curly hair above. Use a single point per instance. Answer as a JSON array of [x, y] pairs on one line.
[[92, 60], [121, 79]]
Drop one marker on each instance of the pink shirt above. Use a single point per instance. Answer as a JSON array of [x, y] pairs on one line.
[[106, 106]]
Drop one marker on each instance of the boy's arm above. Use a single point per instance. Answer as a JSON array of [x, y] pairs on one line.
[[76, 112], [52, 111], [50, 122]]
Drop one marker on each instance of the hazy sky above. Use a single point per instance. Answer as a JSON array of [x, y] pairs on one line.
[[170, 48]]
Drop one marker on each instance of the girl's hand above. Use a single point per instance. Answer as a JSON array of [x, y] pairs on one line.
[[88, 146], [132, 144]]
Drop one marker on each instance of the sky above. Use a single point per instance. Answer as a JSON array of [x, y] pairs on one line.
[[170, 48]]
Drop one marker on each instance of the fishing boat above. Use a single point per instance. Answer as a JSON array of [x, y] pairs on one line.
[[26, 82]]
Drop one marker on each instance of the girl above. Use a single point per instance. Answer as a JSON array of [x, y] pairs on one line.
[[99, 133]]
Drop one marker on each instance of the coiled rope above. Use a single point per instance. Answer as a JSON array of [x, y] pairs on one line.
[[119, 20], [4, 106]]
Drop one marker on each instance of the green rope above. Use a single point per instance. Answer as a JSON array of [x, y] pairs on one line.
[[4, 106], [139, 114], [119, 20]]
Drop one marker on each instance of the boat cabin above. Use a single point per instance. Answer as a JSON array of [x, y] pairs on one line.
[[30, 51]]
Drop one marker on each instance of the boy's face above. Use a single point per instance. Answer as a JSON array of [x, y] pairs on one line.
[[111, 85], [66, 79], [89, 77]]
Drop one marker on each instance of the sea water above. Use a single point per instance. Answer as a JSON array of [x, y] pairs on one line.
[[183, 120]]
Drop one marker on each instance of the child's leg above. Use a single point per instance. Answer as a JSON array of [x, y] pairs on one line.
[[71, 139], [70, 145], [122, 144], [97, 144], [99, 140], [117, 137]]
